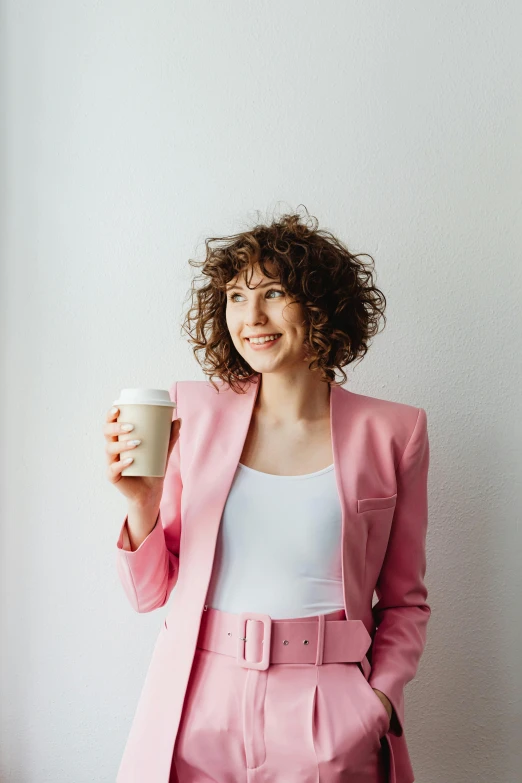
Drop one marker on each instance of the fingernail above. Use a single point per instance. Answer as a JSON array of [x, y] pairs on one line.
[[113, 410]]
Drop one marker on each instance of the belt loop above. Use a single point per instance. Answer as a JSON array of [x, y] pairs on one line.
[[320, 640], [365, 666]]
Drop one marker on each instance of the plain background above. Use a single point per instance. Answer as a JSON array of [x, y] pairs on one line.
[[131, 131]]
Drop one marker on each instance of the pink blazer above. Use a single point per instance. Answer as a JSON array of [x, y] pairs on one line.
[[381, 456]]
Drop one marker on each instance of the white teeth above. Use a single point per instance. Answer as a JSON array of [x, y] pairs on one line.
[[261, 340]]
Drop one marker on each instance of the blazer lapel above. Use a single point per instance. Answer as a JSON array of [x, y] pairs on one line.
[[347, 431], [218, 435]]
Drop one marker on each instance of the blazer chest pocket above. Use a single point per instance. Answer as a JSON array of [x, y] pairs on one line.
[[376, 504]]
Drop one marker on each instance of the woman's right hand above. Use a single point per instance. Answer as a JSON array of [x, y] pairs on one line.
[[139, 490]]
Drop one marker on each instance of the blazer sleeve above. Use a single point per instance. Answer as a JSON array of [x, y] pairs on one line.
[[149, 574], [401, 612]]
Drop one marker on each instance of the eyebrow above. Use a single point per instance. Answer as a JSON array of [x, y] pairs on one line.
[[263, 285]]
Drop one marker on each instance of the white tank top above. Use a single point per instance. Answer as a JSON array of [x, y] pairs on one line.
[[278, 549]]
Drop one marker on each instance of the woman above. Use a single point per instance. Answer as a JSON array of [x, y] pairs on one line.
[[286, 503]]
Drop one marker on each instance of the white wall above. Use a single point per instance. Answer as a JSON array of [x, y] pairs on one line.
[[132, 131]]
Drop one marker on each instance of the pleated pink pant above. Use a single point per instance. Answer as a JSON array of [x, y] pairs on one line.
[[291, 723]]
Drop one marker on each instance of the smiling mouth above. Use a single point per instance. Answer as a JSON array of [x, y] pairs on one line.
[[264, 341]]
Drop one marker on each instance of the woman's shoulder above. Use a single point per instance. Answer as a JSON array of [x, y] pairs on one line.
[[216, 387], [218, 393], [381, 405]]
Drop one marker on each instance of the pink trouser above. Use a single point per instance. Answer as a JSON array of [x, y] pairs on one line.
[[290, 723]]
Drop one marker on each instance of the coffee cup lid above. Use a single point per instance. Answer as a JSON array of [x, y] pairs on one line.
[[145, 397]]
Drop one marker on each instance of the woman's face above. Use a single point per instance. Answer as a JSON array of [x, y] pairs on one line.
[[264, 309]]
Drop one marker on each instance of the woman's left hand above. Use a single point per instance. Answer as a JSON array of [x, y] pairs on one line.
[[385, 700]]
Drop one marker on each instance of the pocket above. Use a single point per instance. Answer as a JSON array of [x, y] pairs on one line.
[[347, 727], [380, 706], [376, 504]]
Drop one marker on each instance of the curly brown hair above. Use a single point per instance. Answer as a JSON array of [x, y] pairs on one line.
[[336, 289]]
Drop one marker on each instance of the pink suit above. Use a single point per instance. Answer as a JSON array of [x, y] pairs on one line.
[[381, 456]]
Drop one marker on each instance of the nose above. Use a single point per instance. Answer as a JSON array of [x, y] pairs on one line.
[[254, 312]]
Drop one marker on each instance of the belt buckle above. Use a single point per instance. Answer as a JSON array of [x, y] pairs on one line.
[[267, 635]]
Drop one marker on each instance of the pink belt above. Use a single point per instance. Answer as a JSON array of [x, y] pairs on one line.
[[256, 640]]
